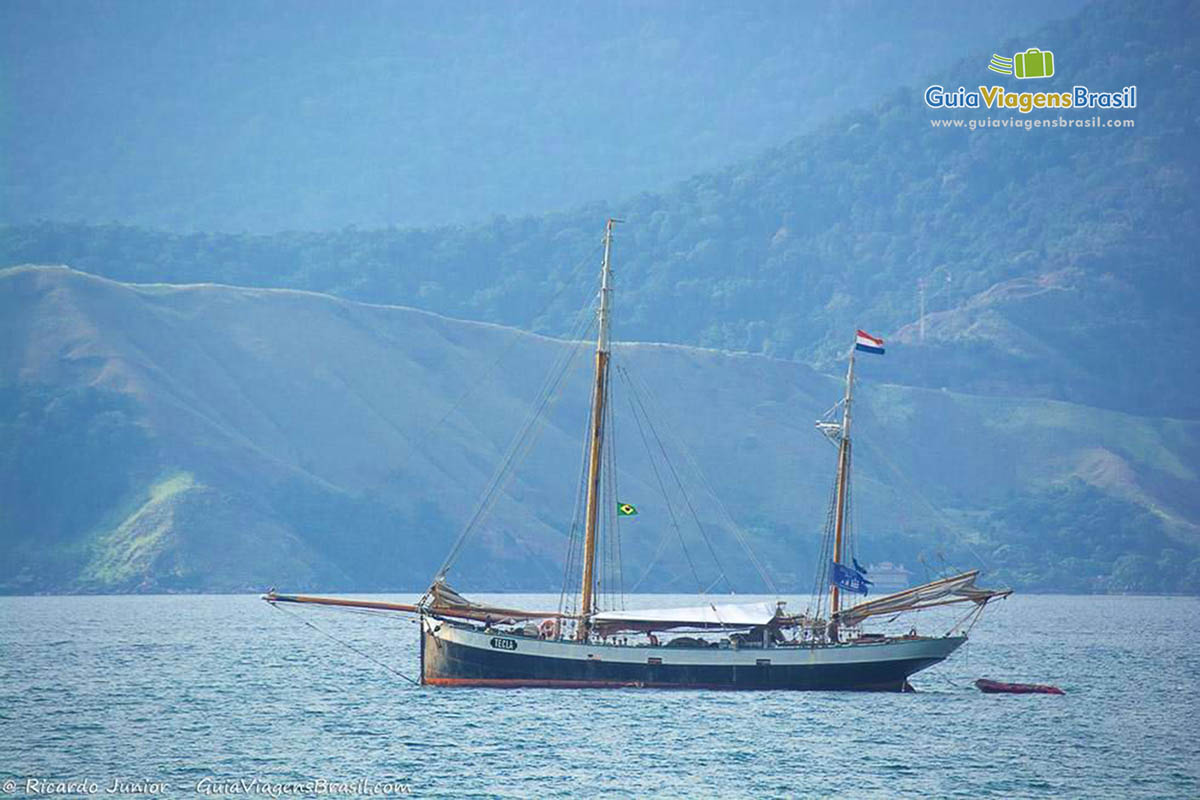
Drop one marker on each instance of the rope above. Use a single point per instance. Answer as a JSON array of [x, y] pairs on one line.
[[568, 598], [611, 494], [953, 528], [666, 496], [939, 671], [821, 576], [347, 645], [678, 482], [706, 484], [521, 444], [494, 366], [612, 508]]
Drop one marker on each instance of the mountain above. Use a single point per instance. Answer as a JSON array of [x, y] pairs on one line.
[[270, 116], [1058, 262], [202, 437]]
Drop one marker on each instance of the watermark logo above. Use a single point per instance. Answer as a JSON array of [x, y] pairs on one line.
[[1033, 63], [1001, 64]]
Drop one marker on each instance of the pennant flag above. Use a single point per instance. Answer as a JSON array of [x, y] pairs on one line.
[[626, 510], [846, 578], [858, 567], [868, 343]]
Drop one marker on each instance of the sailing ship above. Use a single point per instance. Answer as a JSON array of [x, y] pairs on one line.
[[712, 645]]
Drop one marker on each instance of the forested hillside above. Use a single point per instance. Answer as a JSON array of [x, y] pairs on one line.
[[1055, 260], [159, 431], [184, 438]]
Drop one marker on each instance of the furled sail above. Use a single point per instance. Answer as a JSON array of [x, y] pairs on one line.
[[741, 615], [446, 602], [955, 589], [443, 601]]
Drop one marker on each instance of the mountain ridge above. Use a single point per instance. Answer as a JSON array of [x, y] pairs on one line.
[[348, 458], [835, 229]]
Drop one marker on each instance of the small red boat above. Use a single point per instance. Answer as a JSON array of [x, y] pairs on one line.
[[996, 687]]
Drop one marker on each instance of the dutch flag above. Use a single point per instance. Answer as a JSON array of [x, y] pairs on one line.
[[868, 343]]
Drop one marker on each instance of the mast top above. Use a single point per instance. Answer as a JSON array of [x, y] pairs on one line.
[[605, 288], [837, 431]]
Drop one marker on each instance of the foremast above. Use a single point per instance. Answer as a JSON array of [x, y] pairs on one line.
[[596, 443], [839, 522]]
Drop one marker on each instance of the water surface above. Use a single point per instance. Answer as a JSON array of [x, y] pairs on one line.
[[183, 690]]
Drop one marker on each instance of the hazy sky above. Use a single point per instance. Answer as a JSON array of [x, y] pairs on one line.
[[280, 115]]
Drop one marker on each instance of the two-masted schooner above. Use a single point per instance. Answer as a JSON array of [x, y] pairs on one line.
[[715, 645]]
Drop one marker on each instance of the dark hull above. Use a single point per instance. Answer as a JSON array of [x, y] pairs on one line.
[[451, 663]]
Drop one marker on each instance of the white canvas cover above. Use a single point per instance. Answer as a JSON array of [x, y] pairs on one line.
[[726, 615]]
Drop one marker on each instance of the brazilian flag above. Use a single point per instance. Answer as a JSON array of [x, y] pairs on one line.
[[626, 510]]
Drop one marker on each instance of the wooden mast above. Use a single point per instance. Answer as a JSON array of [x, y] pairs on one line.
[[587, 602], [843, 478]]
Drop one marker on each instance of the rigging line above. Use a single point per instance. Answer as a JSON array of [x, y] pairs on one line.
[[951, 525], [738, 533], [518, 450], [611, 531], [620, 567], [677, 440], [573, 542], [574, 586], [975, 612], [604, 531], [727, 518], [662, 488], [522, 442], [347, 645], [392, 616], [850, 521], [612, 494], [494, 365], [662, 541], [658, 551], [683, 492], [526, 447], [574, 554], [821, 574]]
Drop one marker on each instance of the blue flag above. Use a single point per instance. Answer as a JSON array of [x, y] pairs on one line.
[[857, 566], [845, 578]]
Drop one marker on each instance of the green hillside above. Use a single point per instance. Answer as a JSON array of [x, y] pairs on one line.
[[1057, 262], [169, 438]]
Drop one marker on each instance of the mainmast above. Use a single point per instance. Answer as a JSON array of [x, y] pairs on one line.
[[599, 396], [843, 477]]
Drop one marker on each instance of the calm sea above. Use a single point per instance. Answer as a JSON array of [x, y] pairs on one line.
[[223, 696]]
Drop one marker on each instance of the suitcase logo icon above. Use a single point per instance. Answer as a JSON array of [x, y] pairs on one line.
[[1033, 63]]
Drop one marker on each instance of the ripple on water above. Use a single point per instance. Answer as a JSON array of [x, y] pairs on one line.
[[179, 688]]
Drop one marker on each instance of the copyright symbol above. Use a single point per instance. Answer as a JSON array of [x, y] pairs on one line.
[[10, 786]]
